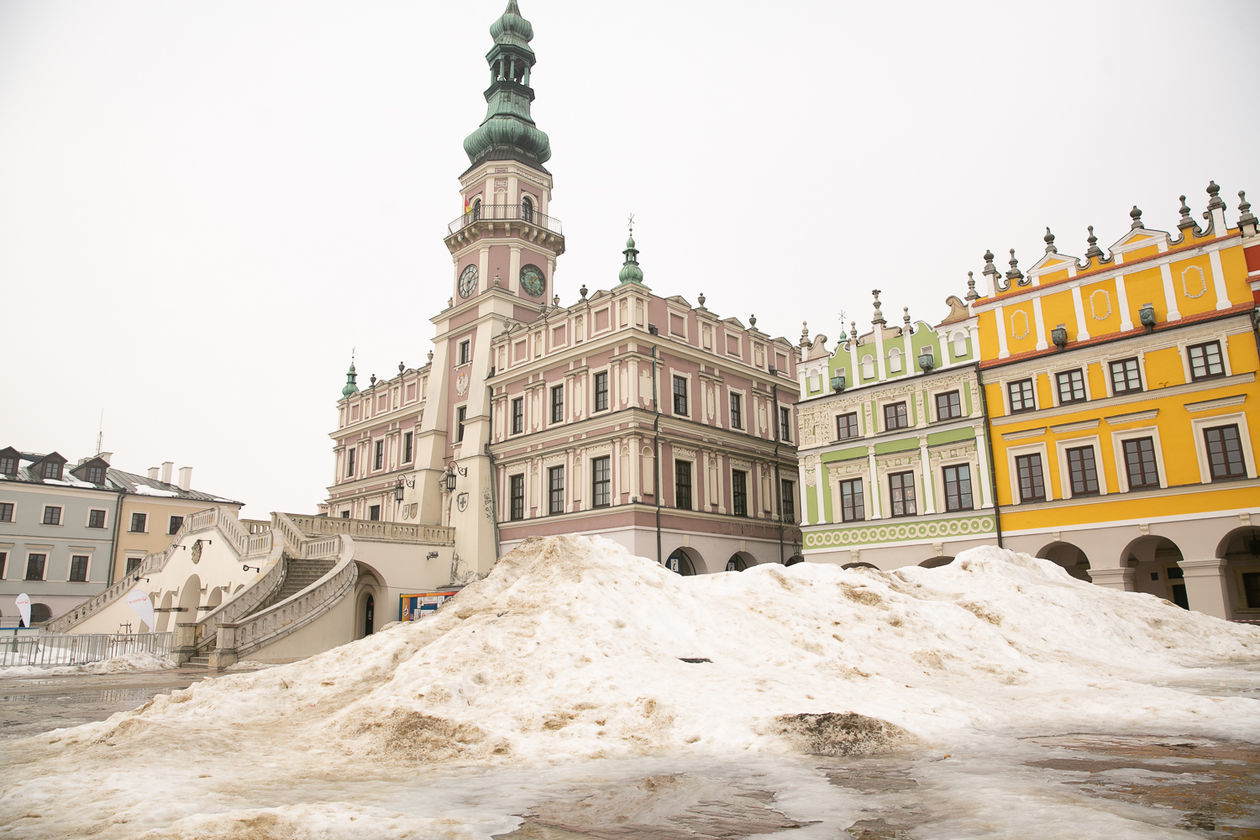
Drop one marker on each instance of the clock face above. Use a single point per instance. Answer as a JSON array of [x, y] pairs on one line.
[[468, 281], [532, 280]]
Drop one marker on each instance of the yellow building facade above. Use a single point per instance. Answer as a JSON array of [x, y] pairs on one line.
[[1124, 409]]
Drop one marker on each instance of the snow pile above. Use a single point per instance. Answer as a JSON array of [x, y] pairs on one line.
[[127, 662], [573, 649]]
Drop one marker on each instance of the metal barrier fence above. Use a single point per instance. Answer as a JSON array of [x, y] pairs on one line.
[[35, 648]]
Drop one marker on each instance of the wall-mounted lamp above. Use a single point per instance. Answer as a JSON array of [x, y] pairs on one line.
[[837, 382], [453, 469], [927, 361], [137, 579], [1058, 335], [1147, 316], [247, 568], [399, 485], [430, 555], [197, 544]]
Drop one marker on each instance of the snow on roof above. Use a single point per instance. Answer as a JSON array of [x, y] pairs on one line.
[[572, 649]]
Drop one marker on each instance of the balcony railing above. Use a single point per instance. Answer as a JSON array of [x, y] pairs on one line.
[[508, 213]]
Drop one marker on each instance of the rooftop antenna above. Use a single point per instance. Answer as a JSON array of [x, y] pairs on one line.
[[100, 432]]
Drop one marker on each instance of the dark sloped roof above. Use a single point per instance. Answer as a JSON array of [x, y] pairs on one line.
[[137, 484]]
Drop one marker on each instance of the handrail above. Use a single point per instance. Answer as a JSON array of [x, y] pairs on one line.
[[372, 529], [505, 212], [243, 604], [290, 533], [301, 608]]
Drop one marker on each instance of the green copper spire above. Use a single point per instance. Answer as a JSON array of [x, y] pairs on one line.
[[350, 388], [630, 272], [508, 131]]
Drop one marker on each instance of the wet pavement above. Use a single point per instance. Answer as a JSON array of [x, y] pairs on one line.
[[34, 703]]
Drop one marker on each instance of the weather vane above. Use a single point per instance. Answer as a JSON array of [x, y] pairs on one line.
[[630, 220]]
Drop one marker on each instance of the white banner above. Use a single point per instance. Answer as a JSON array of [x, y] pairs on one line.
[[24, 607], [140, 604]]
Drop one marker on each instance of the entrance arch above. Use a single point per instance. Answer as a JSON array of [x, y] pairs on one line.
[[739, 561], [1240, 551], [1156, 564], [682, 561], [189, 599], [164, 612], [861, 564], [1069, 557]]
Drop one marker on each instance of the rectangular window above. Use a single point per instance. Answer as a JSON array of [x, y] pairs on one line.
[[739, 492], [1224, 451], [1032, 483], [96, 519], [8, 465], [1139, 463], [378, 455], [847, 426], [1125, 376], [461, 414], [601, 481], [895, 416], [958, 487], [139, 523], [785, 423], [1071, 385], [555, 489], [4, 560], [788, 490], [374, 513], [1021, 396], [516, 493], [465, 351], [78, 568], [52, 515], [350, 462], [52, 471], [6, 511], [35, 566], [852, 501], [901, 493], [518, 415], [682, 485], [737, 411], [407, 441], [1082, 471], [175, 524], [96, 475], [557, 404], [948, 405], [601, 391], [1205, 360], [680, 396], [133, 563]]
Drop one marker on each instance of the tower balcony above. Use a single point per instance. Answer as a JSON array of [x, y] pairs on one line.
[[524, 221]]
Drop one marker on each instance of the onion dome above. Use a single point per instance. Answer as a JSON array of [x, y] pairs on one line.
[[512, 26], [350, 387], [630, 271]]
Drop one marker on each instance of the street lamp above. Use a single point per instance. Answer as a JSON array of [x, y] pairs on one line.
[[399, 485], [453, 469]]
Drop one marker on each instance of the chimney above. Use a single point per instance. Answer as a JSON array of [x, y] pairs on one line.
[[153, 473], [105, 456], [167, 466], [185, 477]]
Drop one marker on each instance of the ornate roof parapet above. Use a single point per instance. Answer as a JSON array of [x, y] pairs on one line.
[[1246, 220], [1015, 274], [1093, 252], [1049, 240], [972, 294], [878, 318], [995, 277], [1215, 212], [1136, 216], [1185, 224]]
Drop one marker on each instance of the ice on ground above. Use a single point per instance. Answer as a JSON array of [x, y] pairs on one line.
[[574, 650]]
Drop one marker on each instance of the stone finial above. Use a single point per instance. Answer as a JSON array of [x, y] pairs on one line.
[[555, 301], [853, 330], [450, 301], [1093, 250], [1136, 215], [990, 270], [1244, 207], [804, 333], [401, 367], [1014, 273], [1185, 222], [972, 294], [582, 291], [752, 321], [1215, 202], [879, 315], [497, 282], [430, 357], [905, 316], [701, 299], [374, 380], [1049, 240]]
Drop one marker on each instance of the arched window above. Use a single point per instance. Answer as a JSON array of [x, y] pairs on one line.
[[527, 209], [476, 209]]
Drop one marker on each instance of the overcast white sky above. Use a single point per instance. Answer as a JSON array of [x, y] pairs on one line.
[[205, 205]]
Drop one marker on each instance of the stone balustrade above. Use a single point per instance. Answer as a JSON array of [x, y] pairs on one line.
[[365, 529], [246, 602]]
